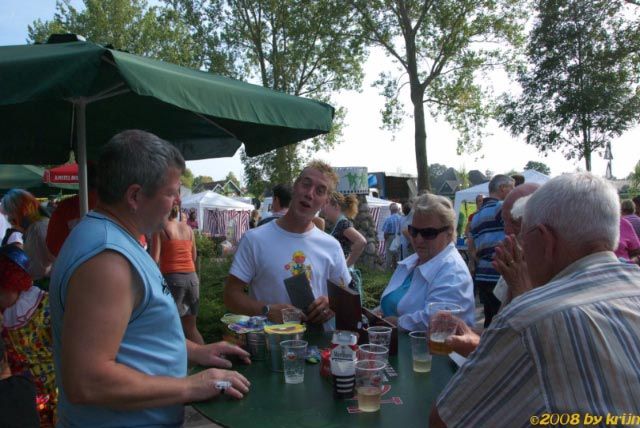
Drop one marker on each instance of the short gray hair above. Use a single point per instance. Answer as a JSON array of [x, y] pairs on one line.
[[499, 180], [439, 206], [581, 208], [135, 157]]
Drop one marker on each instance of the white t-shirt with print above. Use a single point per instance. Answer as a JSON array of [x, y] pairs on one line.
[[267, 255]]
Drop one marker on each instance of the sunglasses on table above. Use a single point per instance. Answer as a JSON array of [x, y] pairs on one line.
[[427, 233]]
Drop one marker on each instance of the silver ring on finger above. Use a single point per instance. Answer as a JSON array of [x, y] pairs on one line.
[[222, 385]]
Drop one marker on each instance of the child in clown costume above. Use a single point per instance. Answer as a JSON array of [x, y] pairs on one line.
[[26, 329]]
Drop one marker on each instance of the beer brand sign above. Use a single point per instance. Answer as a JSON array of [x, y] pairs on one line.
[[353, 179]]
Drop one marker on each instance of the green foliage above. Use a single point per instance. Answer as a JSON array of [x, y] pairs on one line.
[[128, 25], [232, 177], [581, 87], [634, 176], [199, 180], [205, 246], [374, 281], [213, 273], [302, 48], [538, 166], [186, 179], [441, 47]]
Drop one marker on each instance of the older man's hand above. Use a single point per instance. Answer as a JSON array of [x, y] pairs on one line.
[[509, 262], [464, 341]]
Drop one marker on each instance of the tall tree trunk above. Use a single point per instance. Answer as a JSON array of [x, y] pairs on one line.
[[586, 141], [420, 135]]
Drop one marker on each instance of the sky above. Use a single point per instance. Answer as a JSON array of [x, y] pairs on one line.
[[363, 143]]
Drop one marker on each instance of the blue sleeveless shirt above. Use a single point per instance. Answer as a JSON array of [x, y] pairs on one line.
[[153, 342]]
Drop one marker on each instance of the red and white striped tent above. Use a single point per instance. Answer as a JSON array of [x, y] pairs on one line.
[[218, 214], [379, 210]]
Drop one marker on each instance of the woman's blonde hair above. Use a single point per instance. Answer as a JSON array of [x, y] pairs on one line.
[[348, 204], [439, 206]]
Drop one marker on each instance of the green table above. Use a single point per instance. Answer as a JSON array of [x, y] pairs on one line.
[[272, 403]]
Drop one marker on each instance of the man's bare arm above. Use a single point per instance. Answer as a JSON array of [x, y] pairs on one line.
[[101, 296], [239, 302]]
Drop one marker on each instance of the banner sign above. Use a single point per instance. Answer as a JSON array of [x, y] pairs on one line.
[[353, 179]]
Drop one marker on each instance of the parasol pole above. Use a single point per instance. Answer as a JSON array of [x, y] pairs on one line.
[[81, 135]]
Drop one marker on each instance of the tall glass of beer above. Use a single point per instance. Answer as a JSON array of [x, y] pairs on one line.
[[442, 324]]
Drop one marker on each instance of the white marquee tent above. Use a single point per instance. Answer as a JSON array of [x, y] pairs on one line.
[[210, 200], [469, 195]]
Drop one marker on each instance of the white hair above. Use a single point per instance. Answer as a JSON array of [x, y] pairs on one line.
[[517, 210], [579, 207]]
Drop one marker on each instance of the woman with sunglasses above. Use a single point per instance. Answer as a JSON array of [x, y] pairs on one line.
[[435, 273]]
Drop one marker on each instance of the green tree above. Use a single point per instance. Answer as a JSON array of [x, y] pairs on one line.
[[538, 166], [440, 45], [186, 179], [302, 48], [129, 25], [199, 180], [232, 177], [581, 88], [634, 177]]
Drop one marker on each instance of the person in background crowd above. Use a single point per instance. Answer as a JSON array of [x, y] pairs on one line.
[[341, 210], [508, 259], [289, 246], [26, 215], [123, 360], [627, 209], [279, 203], [467, 233], [629, 244], [174, 249], [487, 230], [26, 331], [435, 273], [518, 179], [17, 396], [391, 230], [254, 219], [67, 214], [583, 301], [405, 239], [8, 235], [636, 202], [192, 221]]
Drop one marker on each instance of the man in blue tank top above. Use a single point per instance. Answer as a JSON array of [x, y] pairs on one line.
[[120, 352]]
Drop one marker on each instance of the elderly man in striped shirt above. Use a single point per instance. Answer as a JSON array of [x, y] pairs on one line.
[[569, 349]]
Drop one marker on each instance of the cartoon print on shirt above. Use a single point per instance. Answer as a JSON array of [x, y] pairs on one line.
[[297, 266]]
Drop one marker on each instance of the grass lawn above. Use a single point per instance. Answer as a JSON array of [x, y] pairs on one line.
[[213, 272]]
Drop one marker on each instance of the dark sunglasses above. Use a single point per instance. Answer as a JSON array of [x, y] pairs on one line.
[[427, 233]]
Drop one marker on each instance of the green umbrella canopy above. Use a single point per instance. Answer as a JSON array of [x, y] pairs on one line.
[[20, 176], [29, 177], [43, 88]]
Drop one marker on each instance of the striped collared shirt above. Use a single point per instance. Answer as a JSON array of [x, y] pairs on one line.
[[572, 345]]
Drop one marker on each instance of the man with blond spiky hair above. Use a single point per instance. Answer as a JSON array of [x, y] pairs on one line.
[[290, 245]]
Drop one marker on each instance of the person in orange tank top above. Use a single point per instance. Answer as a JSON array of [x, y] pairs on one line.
[[174, 249]]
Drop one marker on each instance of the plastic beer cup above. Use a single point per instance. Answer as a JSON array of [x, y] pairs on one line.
[[369, 384], [442, 324]]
